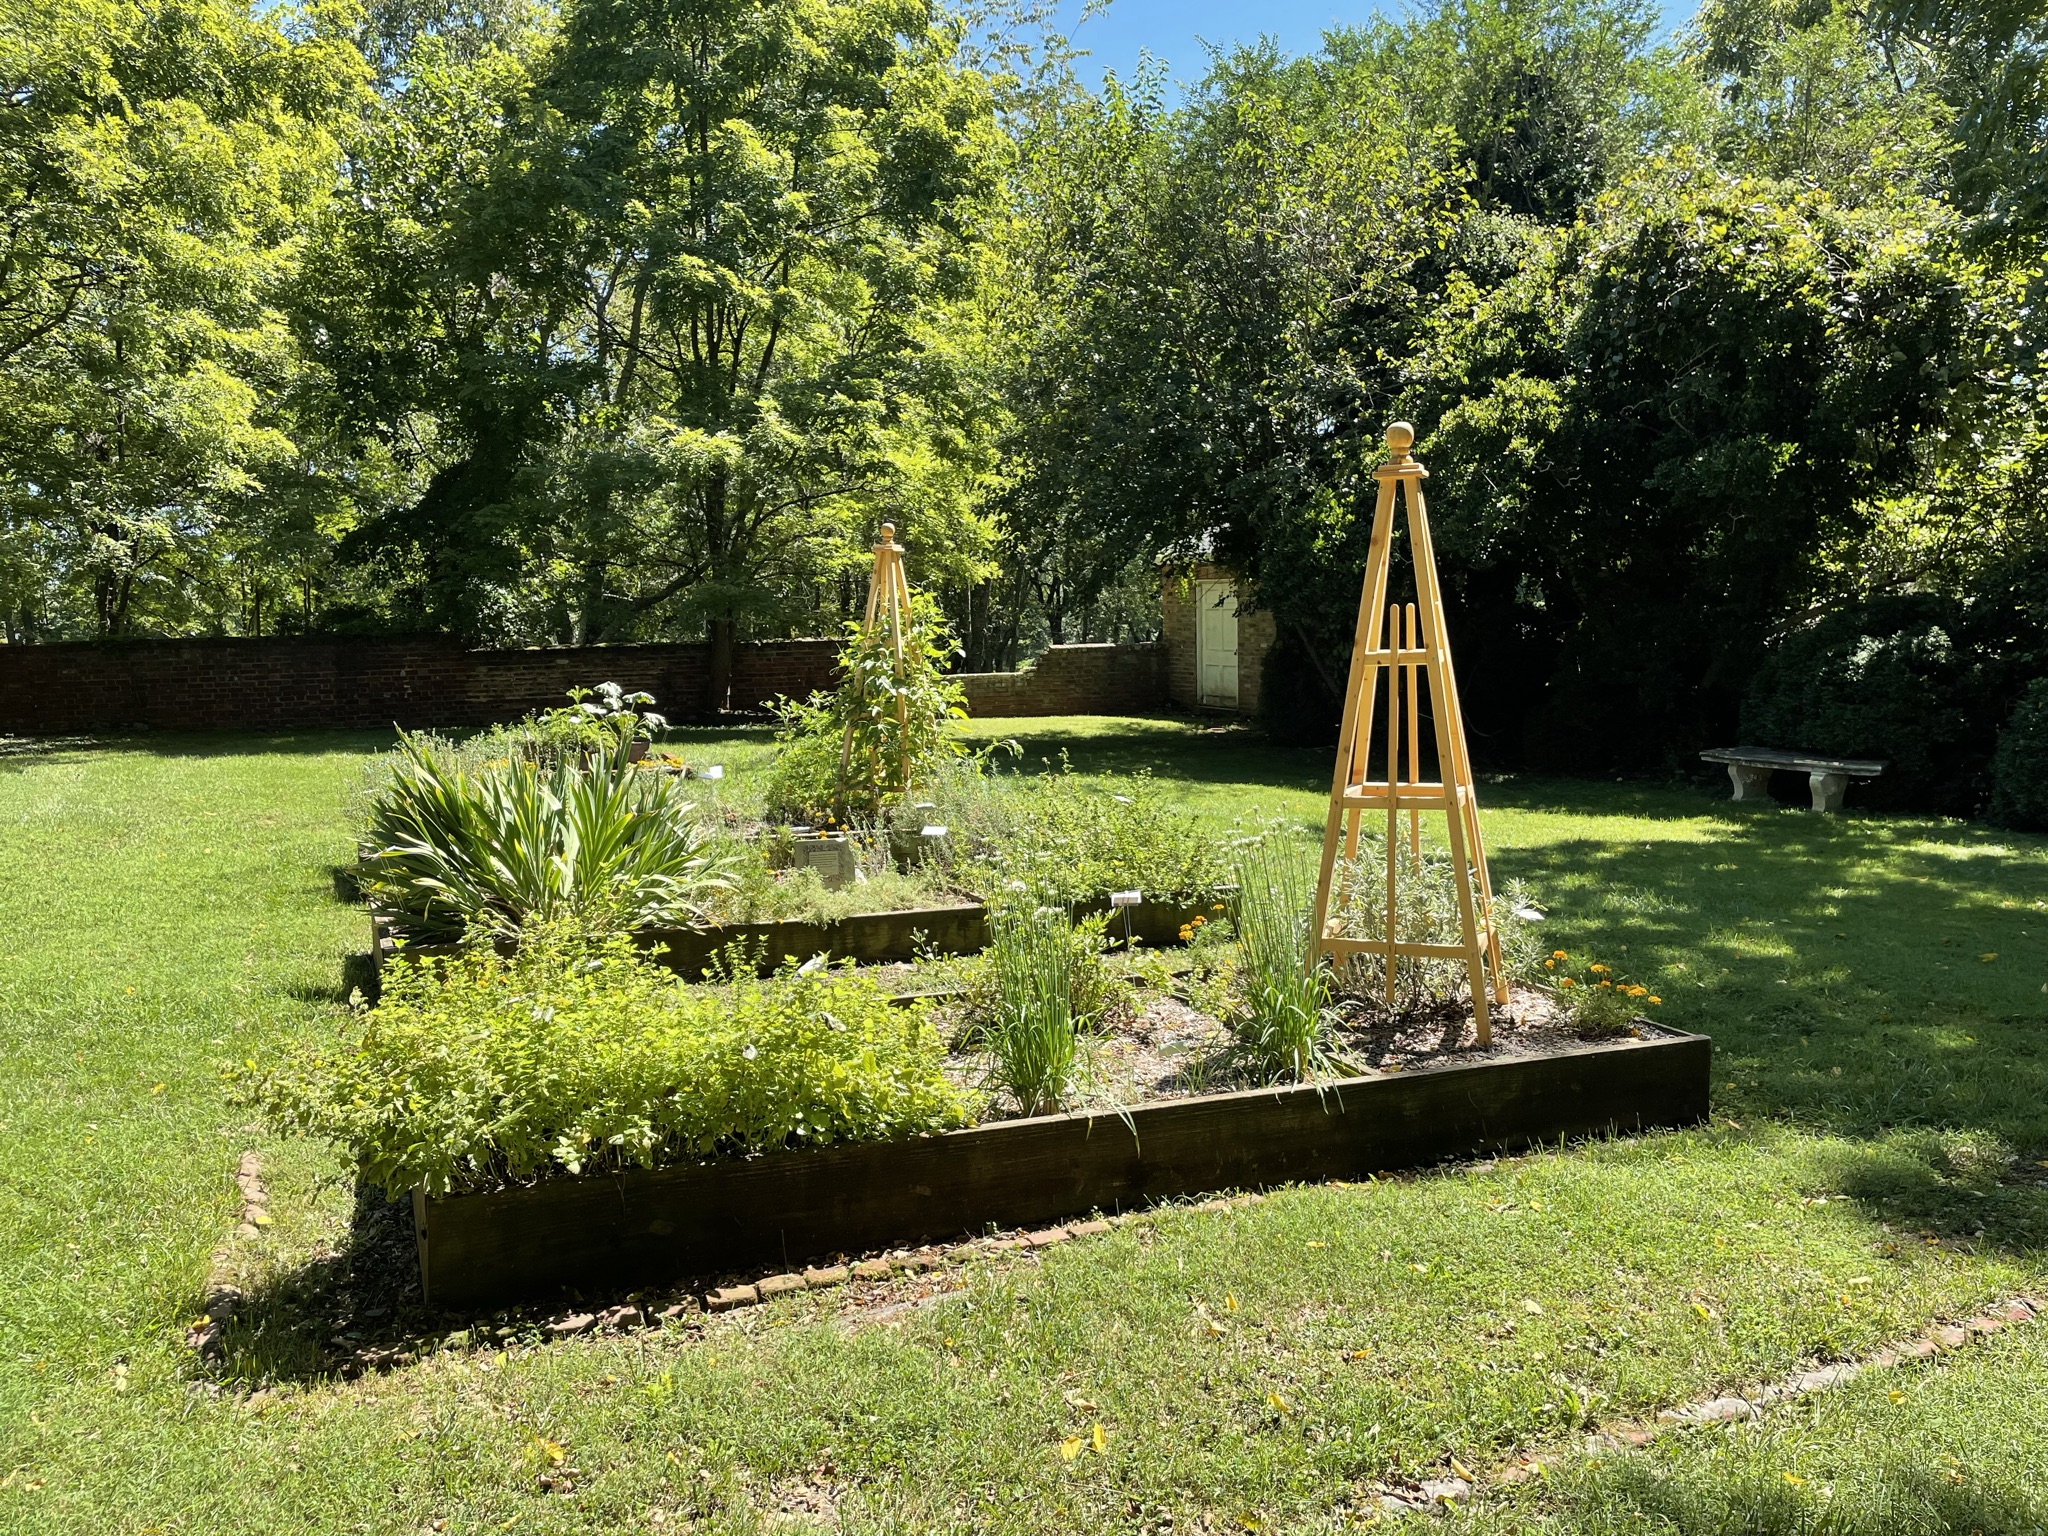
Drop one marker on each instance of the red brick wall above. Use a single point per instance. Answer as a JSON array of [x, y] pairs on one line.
[[414, 681], [1073, 680]]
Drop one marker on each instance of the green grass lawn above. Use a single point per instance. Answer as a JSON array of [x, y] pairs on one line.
[[1875, 989]]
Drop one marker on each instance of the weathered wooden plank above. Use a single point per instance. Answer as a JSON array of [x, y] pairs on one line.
[[650, 1227], [870, 938]]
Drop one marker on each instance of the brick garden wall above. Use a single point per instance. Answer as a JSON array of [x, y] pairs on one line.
[[1255, 635], [413, 681], [1073, 680]]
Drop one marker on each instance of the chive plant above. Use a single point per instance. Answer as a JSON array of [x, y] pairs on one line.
[[1283, 997], [1034, 1041]]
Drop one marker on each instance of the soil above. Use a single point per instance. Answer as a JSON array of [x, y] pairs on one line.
[[1166, 1048]]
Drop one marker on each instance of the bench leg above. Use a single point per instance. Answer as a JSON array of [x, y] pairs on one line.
[[1750, 783], [1827, 790]]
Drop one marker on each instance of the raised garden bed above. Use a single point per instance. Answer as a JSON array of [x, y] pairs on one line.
[[868, 938], [641, 1228]]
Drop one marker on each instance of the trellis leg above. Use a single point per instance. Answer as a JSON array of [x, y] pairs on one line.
[[888, 600], [1448, 704], [1393, 803], [1360, 686], [1411, 639], [1456, 773], [899, 592]]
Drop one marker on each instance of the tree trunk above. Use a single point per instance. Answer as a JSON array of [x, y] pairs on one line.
[[720, 698]]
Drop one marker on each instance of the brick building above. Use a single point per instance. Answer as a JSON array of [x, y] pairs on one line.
[[1215, 651]]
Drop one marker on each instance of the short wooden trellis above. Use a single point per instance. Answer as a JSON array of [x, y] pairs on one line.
[[1410, 648], [888, 605]]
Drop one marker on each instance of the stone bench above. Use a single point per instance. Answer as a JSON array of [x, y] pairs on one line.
[[1750, 769]]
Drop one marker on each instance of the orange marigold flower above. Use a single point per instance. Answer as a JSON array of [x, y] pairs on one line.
[[1557, 954], [1566, 981]]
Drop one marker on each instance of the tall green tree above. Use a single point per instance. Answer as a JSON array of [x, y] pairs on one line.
[[1680, 425], [158, 164], [702, 316]]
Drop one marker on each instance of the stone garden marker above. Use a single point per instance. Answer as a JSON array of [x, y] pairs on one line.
[[1410, 650]]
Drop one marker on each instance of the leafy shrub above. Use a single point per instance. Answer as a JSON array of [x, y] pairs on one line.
[[1896, 679], [1426, 912], [481, 1070], [1599, 1001], [2019, 769], [843, 756], [594, 724], [1280, 1021], [1072, 839], [490, 852]]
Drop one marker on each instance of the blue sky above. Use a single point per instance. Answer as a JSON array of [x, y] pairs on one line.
[[1174, 29]]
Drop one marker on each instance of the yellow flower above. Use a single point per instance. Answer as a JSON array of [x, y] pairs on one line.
[[1196, 922], [1550, 965], [1597, 970], [1566, 981], [1558, 954], [1656, 999], [1606, 983]]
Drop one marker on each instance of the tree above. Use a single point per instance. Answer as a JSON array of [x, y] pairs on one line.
[[1675, 424], [713, 293], [157, 164]]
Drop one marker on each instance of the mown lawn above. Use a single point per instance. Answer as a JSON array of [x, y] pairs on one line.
[[1878, 1158]]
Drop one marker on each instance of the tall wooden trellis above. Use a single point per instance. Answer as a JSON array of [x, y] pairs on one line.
[[1408, 648], [888, 607]]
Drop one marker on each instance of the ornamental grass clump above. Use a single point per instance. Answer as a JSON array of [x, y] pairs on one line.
[[1280, 1021], [482, 1070], [490, 852], [1049, 989]]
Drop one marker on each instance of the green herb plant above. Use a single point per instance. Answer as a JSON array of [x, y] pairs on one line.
[[1072, 838], [1049, 990], [478, 1070], [845, 757], [1425, 912], [1281, 1019]]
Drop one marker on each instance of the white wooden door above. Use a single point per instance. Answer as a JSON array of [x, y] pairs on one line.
[[1216, 642]]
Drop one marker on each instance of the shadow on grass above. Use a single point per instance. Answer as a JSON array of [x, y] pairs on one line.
[[311, 743], [1189, 751], [339, 1314], [361, 1308], [1701, 1499], [1875, 979]]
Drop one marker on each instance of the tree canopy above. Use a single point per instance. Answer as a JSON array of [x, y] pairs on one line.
[[567, 321]]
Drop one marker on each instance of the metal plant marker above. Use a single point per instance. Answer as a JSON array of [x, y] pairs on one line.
[[888, 603], [1411, 651]]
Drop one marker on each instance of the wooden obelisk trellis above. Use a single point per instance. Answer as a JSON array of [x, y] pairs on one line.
[[1409, 649], [888, 606]]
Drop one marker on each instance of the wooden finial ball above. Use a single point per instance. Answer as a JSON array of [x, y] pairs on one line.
[[888, 533], [1400, 438]]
